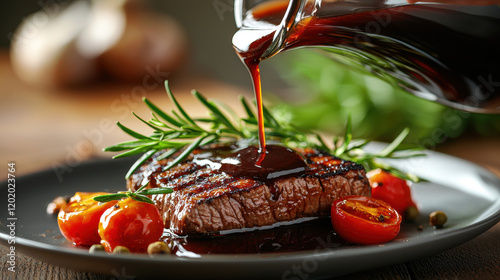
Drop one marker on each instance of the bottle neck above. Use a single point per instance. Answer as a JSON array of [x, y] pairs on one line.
[[296, 10], [300, 9]]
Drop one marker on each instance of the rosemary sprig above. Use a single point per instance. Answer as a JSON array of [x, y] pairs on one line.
[[176, 133], [353, 151], [139, 195]]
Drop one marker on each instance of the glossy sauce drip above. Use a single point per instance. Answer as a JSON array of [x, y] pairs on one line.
[[250, 56], [277, 162], [255, 73], [268, 161], [439, 52]]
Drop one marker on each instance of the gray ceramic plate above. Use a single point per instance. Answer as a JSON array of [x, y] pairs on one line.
[[469, 194]]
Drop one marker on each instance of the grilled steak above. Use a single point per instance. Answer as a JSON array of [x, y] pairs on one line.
[[206, 200]]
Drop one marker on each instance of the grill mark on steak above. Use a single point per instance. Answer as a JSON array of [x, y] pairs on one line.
[[207, 201]]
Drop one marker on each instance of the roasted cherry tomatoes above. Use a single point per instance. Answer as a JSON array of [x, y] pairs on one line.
[[391, 189], [79, 220], [365, 220], [132, 224]]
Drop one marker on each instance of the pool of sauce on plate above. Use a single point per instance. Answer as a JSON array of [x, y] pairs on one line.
[[310, 235]]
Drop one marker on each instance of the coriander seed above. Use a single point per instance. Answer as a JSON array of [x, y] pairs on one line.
[[158, 247], [121, 250], [437, 219]]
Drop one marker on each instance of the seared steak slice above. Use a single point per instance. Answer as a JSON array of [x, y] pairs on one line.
[[207, 201]]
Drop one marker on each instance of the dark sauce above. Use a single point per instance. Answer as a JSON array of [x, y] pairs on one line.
[[277, 162], [308, 235], [265, 162], [250, 54], [249, 161]]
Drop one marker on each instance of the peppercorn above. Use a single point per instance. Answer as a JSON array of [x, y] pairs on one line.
[[158, 247], [437, 219], [121, 250], [96, 248], [411, 213]]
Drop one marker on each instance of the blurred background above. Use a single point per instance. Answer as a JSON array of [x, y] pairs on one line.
[[70, 69]]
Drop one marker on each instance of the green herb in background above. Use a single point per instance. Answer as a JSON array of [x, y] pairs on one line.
[[378, 110]]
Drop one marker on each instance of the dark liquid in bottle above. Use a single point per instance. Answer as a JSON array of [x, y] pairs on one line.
[[449, 54]]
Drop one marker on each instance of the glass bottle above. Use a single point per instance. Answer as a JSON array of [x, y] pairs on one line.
[[440, 52]]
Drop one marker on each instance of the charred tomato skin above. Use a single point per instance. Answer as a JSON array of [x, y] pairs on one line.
[[365, 220], [79, 220], [132, 224], [391, 189]]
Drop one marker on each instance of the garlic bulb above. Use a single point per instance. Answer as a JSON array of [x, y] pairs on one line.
[[86, 41]]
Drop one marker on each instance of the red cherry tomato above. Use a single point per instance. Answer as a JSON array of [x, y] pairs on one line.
[[365, 220], [132, 224], [391, 189], [79, 220]]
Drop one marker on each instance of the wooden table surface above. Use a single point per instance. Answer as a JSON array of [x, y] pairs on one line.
[[42, 128]]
